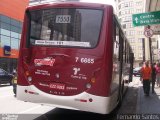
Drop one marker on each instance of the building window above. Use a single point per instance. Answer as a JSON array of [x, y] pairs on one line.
[[139, 47], [14, 34], [133, 47], [131, 11], [119, 6], [124, 26], [139, 11], [14, 43], [16, 29], [132, 32], [127, 19], [129, 25], [140, 40], [139, 3], [120, 0], [131, 4], [19, 36], [122, 5], [126, 4], [140, 32], [5, 25], [5, 32], [153, 40], [5, 40], [15, 23], [140, 55], [132, 40], [5, 19], [126, 11], [10, 32], [122, 19], [122, 12]]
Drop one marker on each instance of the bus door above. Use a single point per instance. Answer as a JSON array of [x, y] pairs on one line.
[[117, 61]]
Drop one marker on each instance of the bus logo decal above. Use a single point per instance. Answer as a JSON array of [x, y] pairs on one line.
[[76, 70], [45, 61]]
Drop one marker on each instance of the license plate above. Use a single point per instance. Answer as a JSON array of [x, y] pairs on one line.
[[57, 86]]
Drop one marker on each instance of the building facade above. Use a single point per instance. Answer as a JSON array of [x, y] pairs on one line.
[[11, 19], [139, 42]]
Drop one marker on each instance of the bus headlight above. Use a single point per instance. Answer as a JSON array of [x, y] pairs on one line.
[[29, 78], [88, 85]]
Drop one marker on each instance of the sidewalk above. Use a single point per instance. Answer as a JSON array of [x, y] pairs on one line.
[[148, 104]]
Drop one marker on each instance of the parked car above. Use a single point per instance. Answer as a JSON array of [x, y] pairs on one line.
[[137, 71], [5, 77]]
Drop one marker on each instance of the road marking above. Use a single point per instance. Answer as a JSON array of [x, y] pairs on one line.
[[30, 109]]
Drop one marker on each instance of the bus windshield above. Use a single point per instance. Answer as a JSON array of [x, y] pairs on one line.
[[66, 27]]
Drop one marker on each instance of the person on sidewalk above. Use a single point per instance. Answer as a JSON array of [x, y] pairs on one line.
[[153, 76], [146, 76], [158, 74]]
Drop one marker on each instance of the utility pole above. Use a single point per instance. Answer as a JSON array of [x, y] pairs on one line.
[[143, 49], [150, 47], [149, 33]]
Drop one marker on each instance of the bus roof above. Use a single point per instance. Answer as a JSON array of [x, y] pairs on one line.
[[68, 4]]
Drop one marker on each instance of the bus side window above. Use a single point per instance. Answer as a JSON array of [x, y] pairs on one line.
[[124, 51], [116, 63], [117, 43], [121, 40]]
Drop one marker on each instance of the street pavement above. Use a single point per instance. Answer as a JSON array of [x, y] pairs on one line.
[[135, 102], [10, 107], [148, 104]]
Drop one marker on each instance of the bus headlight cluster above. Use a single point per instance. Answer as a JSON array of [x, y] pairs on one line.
[[29, 78]]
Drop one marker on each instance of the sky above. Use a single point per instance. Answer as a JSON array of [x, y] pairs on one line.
[[111, 2]]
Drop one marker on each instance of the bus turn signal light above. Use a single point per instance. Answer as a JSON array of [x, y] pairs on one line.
[[27, 73], [93, 79]]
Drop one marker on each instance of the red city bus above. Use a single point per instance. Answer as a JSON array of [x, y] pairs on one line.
[[74, 55]]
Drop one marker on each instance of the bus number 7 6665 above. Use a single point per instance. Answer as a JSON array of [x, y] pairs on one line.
[[85, 60]]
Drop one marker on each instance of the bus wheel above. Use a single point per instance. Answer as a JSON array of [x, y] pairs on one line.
[[122, 90]]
